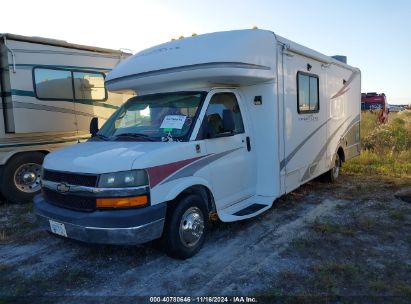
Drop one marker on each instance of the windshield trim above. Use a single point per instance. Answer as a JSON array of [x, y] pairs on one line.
[[187, 136]]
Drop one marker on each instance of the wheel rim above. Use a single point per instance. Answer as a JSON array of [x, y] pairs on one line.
[[191, 226], [27, 177]]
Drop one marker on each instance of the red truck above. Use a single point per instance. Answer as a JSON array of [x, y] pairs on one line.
[[375, 102]]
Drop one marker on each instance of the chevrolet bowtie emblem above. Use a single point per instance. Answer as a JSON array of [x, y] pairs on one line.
[[63, 188]]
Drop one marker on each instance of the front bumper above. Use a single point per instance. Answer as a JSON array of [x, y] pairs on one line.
[[119, 227]]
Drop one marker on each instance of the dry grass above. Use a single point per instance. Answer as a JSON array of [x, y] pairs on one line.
[[327, 227], [17, 222], [64, 277], [363, 256]]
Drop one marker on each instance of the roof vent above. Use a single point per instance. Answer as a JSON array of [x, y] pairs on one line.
[[341, 58]]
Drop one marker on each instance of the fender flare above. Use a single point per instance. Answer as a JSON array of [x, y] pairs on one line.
[[184, 184]]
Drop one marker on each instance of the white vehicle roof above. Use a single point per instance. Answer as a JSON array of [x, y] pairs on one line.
[[224, 58]]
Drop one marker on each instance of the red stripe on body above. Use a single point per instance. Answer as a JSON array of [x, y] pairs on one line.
[[159, 173]]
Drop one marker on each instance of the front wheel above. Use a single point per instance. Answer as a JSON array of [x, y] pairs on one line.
[[186, 227], [21, 177]]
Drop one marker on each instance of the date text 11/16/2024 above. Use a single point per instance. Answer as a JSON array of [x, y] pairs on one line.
[[203, 299]]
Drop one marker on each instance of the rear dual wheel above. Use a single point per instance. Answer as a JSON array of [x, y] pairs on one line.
[[334, 172]]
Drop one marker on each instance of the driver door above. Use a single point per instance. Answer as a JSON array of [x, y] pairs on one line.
[[232, 170]]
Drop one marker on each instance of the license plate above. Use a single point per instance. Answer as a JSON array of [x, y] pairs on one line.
[[58, 228]]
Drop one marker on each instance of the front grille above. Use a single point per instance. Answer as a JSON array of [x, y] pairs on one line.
[[70, 201], [70, 178]]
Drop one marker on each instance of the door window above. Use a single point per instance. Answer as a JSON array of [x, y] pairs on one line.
[[219, 103]]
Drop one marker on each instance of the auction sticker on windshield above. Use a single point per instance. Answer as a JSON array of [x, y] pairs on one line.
[[173, 122], [58, 228]]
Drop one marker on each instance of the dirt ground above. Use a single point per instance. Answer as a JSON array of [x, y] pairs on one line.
[[343, 242]]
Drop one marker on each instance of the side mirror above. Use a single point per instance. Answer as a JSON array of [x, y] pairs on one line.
[[94, 126], [228, 121]]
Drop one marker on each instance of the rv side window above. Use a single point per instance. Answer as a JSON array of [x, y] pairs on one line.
[[214, 115], [307, 93], [57, 84], [53, 84], [89, 86]]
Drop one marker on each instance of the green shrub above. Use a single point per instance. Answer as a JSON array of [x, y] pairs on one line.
[[386, 148], [392, 137]]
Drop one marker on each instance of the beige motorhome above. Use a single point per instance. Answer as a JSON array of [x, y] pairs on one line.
[[50, 90]]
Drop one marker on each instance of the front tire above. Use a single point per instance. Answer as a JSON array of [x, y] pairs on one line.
[[21, 177], [186, 227]]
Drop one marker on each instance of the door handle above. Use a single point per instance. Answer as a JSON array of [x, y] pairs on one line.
[[247, 139]]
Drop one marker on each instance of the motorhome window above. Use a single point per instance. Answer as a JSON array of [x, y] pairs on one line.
[[156, 116], [307, 93], [218, 103], [89, 86], [53, 84]]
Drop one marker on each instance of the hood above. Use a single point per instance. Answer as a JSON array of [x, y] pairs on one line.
[[104, 157]]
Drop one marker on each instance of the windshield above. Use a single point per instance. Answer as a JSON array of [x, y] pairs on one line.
[[157, 117]]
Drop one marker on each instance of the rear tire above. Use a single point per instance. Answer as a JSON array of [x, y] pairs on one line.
[[21, 177], [334, 172], [186, 227]]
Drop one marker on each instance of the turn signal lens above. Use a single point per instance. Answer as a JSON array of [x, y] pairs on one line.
[[121, 202]]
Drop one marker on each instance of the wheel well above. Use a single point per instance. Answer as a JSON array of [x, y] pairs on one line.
[[203, 191], [44, 152], [26, 152], [341, 154]]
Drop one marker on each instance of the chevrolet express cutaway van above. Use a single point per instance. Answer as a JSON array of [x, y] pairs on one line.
[[223, 124]]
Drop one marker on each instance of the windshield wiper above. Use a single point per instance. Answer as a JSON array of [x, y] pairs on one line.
[[135, 135], [99, 136]]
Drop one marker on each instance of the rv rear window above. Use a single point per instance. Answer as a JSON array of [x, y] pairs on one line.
[[61, 84], [307, 93]]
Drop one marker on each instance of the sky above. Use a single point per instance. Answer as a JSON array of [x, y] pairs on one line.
[[375, 35]]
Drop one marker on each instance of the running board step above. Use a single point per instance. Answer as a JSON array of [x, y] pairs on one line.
[[245, 209], [250, 209]]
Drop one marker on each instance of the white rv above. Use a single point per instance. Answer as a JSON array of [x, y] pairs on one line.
[[223, 123], [50, 90]]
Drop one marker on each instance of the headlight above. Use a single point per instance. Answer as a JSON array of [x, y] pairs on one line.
[[133, 178]]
